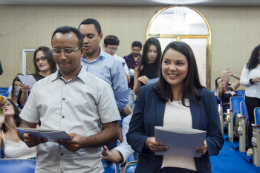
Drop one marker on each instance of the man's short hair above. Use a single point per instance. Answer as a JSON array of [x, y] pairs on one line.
[[94, 22], [137, 44], [111, 40], [68, 29]]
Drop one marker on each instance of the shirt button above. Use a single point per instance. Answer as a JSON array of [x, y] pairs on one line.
[[63, 117], [63, 99], [61, 154]]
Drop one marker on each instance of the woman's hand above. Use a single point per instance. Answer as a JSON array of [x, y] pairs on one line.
[[155, 146], [202, 149], [223, 75], [230, 73], [143, 79], [256, 79], [25, 88]]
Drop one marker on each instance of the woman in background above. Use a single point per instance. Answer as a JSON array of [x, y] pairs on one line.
[[250, 78], [177, 100], [148, 67], [11, 144], [44, 65], [224, 91], [15, 89]]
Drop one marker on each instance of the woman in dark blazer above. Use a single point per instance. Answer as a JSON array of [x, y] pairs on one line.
[[178, 89]]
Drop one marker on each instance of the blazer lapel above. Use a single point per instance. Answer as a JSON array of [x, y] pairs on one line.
[[195, 112], [160, 108]]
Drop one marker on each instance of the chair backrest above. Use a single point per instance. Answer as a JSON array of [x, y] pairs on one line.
[[130, 167], [130, 159], [240, 93], [235, 105], [257, 115], [109, 167], [243, 109], [2, 155], [17, 166]]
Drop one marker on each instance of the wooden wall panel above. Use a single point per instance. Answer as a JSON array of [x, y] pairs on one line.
[[235, 31]]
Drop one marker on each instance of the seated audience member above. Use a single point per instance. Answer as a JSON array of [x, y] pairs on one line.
[[223, 91], [250, 79], [131, 60], [10, 142], [15, 89], [177, 100], [11, 86], [110, 46], [74, 101], [121, 153], [44, 65], [148, 67]]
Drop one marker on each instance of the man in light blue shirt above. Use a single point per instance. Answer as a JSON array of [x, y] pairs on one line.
[[102, 64]]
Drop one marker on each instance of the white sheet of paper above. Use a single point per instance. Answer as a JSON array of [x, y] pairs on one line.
[[50, 135], [28, 80], [181, 141], [153, 80]]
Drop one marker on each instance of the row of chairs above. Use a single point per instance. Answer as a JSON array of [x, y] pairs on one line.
[[237, 122], [4, 92]]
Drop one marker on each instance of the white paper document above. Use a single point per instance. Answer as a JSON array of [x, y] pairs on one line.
[[153, 80], [181, 141], [50, 135], [27, 80]]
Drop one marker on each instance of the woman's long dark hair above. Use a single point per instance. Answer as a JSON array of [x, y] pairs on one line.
[[151, 41], [191, 83], [17, 118], [254, 58], [48, 54], [13, 89]]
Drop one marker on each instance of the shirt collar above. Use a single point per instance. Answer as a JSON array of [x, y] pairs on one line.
[[100, 56], [57, 75]]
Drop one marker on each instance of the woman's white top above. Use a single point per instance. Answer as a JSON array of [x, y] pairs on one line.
[[17, 150], [177, 115], [252, 90]]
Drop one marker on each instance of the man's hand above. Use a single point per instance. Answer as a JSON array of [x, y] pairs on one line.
[[25, 88], [143, 79], [202, 149], [74, 144], [155, 146], [256, 79], [105, 153], [32, 141]]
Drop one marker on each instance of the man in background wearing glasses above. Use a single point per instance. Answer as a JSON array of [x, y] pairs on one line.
[[74, 101]]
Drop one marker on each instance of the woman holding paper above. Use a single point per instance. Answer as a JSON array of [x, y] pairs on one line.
[[177, 100], [11, 144], [148, 67], [44, 65]]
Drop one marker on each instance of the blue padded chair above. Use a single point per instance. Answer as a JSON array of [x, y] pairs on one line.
[[2, 155], [257, 115], [17, 166], [109, 167], [235, 106], [243, 110], [130, 167], [240, 93], [130, 159]]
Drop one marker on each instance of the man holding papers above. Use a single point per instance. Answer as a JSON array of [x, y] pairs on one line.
[[74, 101], [178, 100]]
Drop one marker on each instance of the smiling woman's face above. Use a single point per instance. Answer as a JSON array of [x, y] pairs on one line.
[[8, 109], [42, 65]]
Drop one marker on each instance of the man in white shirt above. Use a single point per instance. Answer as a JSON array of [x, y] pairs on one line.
[[111, 43], [74, 101]]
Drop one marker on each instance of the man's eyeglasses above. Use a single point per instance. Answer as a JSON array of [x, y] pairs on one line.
[[114, 49], [67, 51], [43, 58]]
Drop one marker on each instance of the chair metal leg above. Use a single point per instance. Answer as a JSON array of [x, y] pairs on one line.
[[230, 126], [255, 143], [221, 117], [242, 134]]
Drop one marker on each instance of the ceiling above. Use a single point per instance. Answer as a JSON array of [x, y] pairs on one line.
[[135, 2]]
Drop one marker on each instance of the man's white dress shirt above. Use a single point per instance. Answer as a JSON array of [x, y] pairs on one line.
[[79, 106]]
